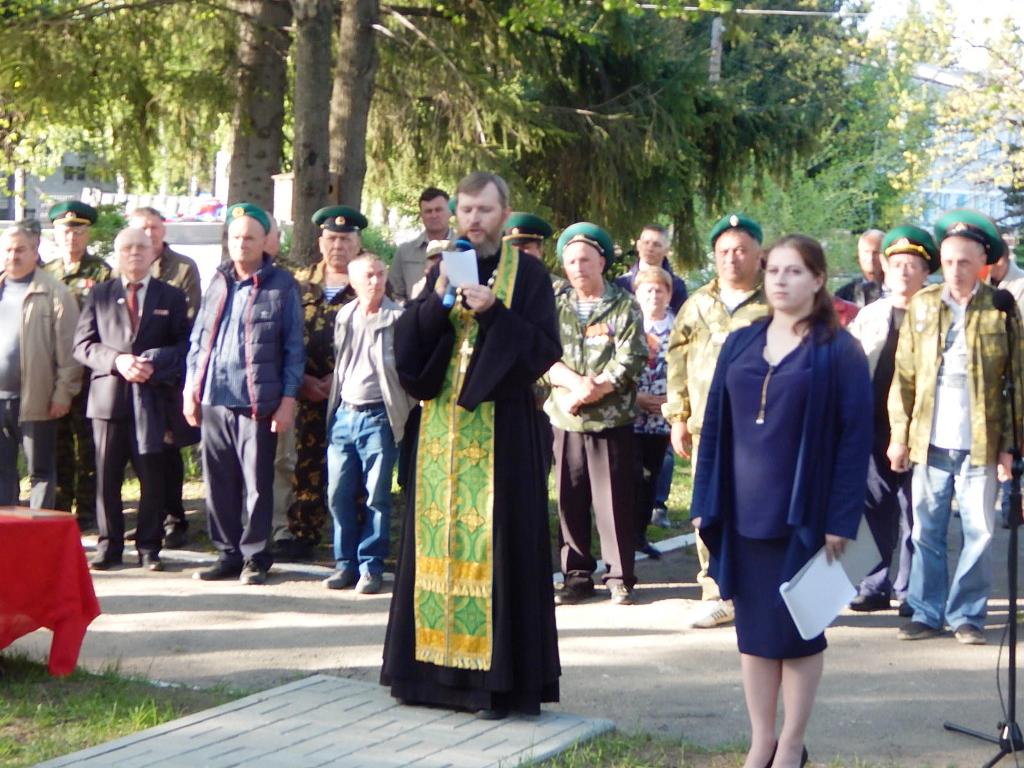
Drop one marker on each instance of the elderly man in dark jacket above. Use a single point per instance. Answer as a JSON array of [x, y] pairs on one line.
[[245, 366], [133, 333]]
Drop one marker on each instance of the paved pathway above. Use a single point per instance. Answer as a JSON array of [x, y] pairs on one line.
[[330, 721]]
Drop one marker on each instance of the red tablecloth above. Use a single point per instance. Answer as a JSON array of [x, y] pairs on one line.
[[45, 582]]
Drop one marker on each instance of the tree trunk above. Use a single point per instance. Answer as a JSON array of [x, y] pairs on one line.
[[259, 111], [311, 147], [353, 94]]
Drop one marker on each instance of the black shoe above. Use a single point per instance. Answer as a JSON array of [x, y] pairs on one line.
[[870, 603], [151, 562], [905, 611], [103, 563], [175, 537], [650, 550], [294, 550], [219, 570], [917, 630], [341, 580], [803, 758], [772, 758], [566, 594], [252, 573]]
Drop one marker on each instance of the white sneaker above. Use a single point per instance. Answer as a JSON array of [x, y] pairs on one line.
[[720, 612]]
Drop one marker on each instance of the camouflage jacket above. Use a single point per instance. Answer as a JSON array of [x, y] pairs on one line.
[[318, 318], [919, 357], [612, 343], [91, 271], [701, 328]]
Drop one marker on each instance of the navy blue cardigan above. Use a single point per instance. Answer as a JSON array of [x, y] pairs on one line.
[[832, 466]]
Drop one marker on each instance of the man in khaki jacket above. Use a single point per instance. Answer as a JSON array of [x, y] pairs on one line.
[[733, 300], [38, 375], [949, 419]]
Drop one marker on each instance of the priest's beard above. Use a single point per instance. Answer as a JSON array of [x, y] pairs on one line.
[[488, 246]]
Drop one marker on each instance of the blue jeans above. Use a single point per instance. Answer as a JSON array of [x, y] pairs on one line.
[[360, 457], [966, 600], [664, 483]]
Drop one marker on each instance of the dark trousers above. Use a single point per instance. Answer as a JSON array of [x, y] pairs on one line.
[[116, 445], [76, 460], [648, 459], [174, 480], [890, 517], [595, 468], [238, 464], [406, 457], [38, 439]]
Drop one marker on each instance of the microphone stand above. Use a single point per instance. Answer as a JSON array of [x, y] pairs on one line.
[[1010, 740]]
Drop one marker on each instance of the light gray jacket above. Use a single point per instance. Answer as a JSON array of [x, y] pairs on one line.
[[396, 401]]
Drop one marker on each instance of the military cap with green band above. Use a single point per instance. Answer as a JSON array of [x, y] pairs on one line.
[[253, 211], [975, 226], [73, 213], [736, 221], [592, 235], [914, 240], [340, 218], [527, 226]]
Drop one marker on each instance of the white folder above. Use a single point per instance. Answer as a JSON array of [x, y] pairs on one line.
[[820, 590]]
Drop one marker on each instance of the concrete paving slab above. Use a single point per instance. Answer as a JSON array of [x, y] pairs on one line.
[[270, 729]]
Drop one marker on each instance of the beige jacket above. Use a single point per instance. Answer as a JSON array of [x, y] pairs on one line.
[[48, 371]]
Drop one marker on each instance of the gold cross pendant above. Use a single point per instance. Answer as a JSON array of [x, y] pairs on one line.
[[465, 352]]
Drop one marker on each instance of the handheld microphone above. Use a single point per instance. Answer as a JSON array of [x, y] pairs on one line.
[[462, 244]]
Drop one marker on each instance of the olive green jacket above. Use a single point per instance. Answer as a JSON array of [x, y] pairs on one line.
[[919, 357], [612, 343], [90, 271], [701, 327]]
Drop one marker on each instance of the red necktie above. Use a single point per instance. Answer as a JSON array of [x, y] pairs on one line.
[[133, 304]]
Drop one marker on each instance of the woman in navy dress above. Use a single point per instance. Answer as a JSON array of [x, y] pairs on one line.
[[782, 471]]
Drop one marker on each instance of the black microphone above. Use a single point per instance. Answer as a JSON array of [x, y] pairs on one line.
[[1003, 300]]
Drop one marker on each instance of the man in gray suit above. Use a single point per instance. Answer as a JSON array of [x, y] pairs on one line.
[[133, 334]]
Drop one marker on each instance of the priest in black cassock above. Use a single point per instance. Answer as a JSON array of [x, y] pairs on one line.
[[472, 622]]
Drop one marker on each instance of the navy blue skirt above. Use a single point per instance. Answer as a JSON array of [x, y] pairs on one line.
[[763, 625]]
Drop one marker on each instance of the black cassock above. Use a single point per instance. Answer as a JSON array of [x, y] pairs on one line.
[[514, 347]]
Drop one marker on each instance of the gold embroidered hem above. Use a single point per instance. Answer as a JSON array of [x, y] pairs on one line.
[[454, 508]]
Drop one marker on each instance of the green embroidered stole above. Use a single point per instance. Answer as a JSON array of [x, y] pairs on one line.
[[454, 507]]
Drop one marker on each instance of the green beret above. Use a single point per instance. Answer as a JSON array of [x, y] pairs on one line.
[[526, 226], [736, 221], [975, 226], [591, 234], [453, 203], [238, 210], [340, 218], [73, 213], [911, 239]]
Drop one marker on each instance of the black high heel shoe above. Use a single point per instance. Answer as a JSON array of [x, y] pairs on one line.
[[771, 758], [803, 758]]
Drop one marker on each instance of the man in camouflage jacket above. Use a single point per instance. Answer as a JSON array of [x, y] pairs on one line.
[[951, 423], [592, 407], [732, 300], [323, 290], [80, 270]]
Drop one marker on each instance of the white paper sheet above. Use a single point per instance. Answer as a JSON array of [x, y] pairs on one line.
[[816, 595], [461, 267], [820, 590]]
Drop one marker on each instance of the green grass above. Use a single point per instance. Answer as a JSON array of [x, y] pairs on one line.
[[43, 717]]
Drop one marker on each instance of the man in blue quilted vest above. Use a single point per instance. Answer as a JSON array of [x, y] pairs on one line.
[[245, 364]]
